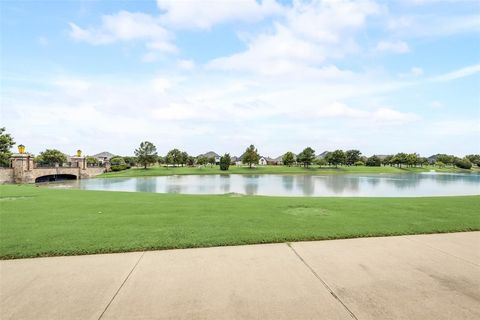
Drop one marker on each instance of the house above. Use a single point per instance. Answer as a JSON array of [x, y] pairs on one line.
[[432, 158], [322, 155], [261, 161], [103, 156], [278, 161], [211, 154]]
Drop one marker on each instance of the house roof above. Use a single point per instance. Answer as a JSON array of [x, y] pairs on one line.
[[104, 154], [209, 154], [322, 155]]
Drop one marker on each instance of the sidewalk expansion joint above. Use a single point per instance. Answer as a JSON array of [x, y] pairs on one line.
[[121, 286], [334, 295]]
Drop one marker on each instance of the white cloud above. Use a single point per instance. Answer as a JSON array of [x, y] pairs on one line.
[[436, 104], [313, 32], [414, 72], [186, 64], [204, 15], [394, 116], [392, 46], [126, 26], [457, 74], [433, 25]]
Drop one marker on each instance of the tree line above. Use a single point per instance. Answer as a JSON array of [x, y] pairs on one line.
[[146, 155]]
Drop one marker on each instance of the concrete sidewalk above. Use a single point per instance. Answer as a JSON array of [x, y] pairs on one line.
[[406, 277]]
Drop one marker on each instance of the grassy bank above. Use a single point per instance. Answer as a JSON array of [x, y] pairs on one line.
[[42, 222], [165, 171]]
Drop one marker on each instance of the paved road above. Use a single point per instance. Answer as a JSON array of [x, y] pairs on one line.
[[407, 277]]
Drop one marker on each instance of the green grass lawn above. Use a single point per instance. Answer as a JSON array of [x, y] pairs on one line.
[[38, 221], [164, 171]]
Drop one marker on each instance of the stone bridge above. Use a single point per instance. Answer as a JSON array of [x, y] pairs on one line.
[[23, 170]]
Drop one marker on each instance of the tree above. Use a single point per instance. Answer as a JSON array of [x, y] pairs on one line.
[[117, 160], [412, 159], [92, 160], [190, 161], [320, 162], [288, 158], [174, 157], [161, 160], [6, 143], [399, 159], [225, 162], [374, 161], [306, 156], [352, 156], [251, 156], [51, 157], [474, 158], [463, 163], [211, 161], [146, 154], [130, 161], [446, 159], [183, 158], [387, 160], [336, 157], [201, 160]]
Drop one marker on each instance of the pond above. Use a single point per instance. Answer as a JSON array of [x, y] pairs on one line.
[[375, 185]]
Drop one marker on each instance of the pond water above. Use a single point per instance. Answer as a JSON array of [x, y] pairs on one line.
[[375, 185]]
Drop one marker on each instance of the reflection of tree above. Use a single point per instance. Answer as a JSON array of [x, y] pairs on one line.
[[306, 184], [146, 184], [405, 181], [288, 182], [251, 184], [225, 183], [373, 181], [340, 184]]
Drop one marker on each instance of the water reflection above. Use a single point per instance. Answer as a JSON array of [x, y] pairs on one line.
[[391, 185]]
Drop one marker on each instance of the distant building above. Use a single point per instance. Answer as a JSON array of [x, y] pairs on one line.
[[261, 161], [322, 155], [103, 156], [211, 154], [432, 158]]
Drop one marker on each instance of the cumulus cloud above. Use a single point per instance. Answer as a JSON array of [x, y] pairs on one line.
[[392, 46], [126, 26], [198, 14], [313, 32]]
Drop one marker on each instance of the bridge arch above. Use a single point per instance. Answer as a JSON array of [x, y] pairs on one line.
[[55, 177]]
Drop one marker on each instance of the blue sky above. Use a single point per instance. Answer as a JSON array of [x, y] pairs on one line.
[[379, 76]]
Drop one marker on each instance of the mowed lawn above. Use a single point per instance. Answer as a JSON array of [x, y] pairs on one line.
[[36, 221], [165, 171]]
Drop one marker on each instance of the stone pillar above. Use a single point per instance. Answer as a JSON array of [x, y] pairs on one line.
[[22, 164], [79, 162], [107, 165]]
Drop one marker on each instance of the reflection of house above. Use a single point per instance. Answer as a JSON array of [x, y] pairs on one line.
[[211, 154], [103, 156]]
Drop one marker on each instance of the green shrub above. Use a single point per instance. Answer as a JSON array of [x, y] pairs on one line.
[[463, 163], [374, 161], [119, 167], [225, 162], [359, 163]]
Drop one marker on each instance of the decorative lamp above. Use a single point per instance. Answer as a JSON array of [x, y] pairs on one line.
[[21, 148], [79, 153]]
